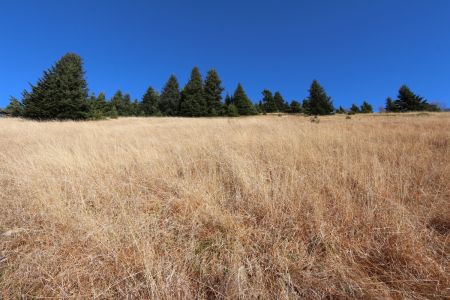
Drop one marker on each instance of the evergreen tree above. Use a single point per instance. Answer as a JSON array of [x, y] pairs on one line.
[[242, 102], [14, 109], [193, 102], [232, 111], [354, 109], [61, 93], [170, 97], [150, 103], [295, 107], [117, 103], [213, 93], [228, 100], [390, 105], [340, 110], [127, 107], [306, 107], [279, 102], [101, 104], [268, 102], [137, 108], [366, 108], [408, 101], [319, 102]]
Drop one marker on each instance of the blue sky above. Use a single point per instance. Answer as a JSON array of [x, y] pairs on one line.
[[358, 50]]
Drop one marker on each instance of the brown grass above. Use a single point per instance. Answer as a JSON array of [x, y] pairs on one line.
[[262, 207]]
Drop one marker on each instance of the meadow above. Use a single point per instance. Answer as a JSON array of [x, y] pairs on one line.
[[264, 207]]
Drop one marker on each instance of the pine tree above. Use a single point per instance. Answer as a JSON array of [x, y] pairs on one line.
[[306, 108], [354, 109], [170, 97], [366, 108], [390, 105], [61, 93], [102, 104], [340, 110], [408, 101], [268, 102], [137, 108], [279, 102], [295, 107], [319, 102], [228, 100], [232, 111], [127, 107], [117, 103], [193, 102], [150, 103], [242, 102], [14, 109], [213, 93]]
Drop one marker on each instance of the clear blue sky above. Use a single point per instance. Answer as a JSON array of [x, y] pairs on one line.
[[358, 50]]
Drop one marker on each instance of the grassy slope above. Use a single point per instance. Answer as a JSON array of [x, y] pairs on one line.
[[196, 208]]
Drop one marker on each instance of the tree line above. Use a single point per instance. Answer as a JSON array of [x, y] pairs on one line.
[[62, 93]]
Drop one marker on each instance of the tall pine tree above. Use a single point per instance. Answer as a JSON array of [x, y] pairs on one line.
[[319, 103], [193, 102], [268, 102], [61, 93], [150, 103], [243, 104], [366, 108], [279, 102], [213, 93], [169, 103]]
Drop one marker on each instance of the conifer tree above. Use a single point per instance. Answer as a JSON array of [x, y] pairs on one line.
[[150, 103], [306, 107], [232, 111], [137, 108], [319, 102], [340, 110], [268, 102], [295, 107], [228, 100], [193, 102], [102, 104], [354, 109], [170, 97], [61, 93], [279, 102], [127, 107], [242, 102], [14, 108], [390, 105], [213, 93], [117, 103], [366, 108]]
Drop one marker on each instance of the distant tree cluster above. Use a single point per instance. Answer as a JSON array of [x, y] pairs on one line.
[[408, 101], [62, 93]]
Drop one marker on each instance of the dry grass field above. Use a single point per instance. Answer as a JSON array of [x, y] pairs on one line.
[[262, 207]]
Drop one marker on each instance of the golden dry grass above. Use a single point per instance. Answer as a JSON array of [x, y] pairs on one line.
[[261, 207]]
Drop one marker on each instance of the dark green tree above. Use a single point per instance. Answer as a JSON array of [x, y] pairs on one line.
[[213, 93], [150, 103], [232, 111], [193, 102], [228, 100], [268, 102], [390, 105], [295, 107], [408, 101], [137, 111], [102, 104], [306, 108], [366, 108], [117, 103], [279, 102], [127, 107], [355, 109], [319, 102], [169, 102], [242, 102], [61, 93], [14, 108], [340, 110]]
